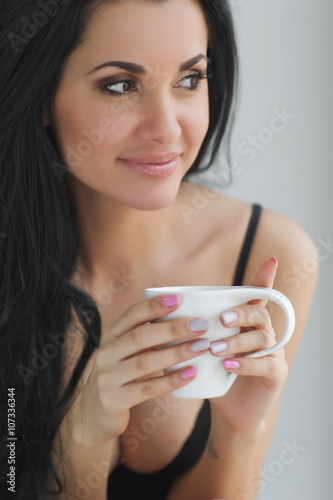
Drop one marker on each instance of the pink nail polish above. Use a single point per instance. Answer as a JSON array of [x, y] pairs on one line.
[[170, 301], [274, 259], [231, 364], [188, 373]]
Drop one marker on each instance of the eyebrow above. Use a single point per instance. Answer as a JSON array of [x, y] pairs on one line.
[[140, 70]]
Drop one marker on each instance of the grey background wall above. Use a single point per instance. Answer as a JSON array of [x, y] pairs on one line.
[[286, 67]]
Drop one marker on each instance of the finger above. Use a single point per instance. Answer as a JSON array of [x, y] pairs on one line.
[[249, 315], [138, 392], [151, 335], [265, 277], [244, 343], [149, 362], [269, 367], [143, 312], [266, 274]]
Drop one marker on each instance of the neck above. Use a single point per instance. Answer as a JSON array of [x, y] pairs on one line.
[[118, 240]]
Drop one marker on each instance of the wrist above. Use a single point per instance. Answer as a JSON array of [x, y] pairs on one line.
[[235, 428], [79, 431]]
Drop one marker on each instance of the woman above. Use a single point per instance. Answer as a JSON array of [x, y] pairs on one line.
[[106, 107]]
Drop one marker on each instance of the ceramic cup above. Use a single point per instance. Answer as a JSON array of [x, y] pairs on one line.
[[212, 380]]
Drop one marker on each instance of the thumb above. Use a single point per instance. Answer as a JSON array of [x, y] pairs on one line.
[[265, 277], [266, 274]]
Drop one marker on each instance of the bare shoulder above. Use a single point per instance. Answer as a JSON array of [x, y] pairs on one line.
[[210, 212], [283, 238]]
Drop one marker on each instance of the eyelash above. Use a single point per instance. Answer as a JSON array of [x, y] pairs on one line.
[[106, 82]]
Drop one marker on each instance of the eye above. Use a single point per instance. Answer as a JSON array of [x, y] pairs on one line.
[[191, 82], [120, 87]]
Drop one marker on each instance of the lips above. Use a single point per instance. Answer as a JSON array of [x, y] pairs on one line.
[[158, 166], [152, 159]]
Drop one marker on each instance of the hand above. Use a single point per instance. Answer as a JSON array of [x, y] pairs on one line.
[[124, 370], [252, 395]]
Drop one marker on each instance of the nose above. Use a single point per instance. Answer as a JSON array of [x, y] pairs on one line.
[[159, 120]]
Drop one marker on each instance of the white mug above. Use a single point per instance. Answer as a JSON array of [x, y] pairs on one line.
[[212, 380]]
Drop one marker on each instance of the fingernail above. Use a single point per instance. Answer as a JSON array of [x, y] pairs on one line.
[[170, 301], [200, 345], [188, 373], [218, 346], [274, 259], [198, 325], [231, 364], [229, 317]]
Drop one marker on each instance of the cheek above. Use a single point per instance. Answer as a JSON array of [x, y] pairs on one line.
[[195, 125], [83, 129]]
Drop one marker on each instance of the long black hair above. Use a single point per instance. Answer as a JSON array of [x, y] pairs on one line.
[[39, 236]]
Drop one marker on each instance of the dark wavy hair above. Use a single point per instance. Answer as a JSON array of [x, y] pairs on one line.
[[39, 236]]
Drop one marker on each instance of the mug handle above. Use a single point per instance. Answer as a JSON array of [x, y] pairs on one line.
[[256, 292], [285, 304]]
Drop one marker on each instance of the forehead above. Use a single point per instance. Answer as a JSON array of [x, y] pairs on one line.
[[171, 31]]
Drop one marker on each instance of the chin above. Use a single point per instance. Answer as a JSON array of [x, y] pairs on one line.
[[150, 204], [154, 199]]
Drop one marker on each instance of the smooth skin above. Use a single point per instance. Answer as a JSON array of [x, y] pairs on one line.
[[134, 235]]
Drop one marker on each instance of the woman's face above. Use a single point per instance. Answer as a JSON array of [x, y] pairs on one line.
[[131, 110]]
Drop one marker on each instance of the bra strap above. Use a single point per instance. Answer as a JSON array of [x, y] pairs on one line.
[[247, 245]]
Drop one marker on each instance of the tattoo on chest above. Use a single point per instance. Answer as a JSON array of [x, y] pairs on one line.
[[211, 450]]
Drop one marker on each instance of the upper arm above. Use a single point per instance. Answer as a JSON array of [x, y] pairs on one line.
[[296, 277]]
